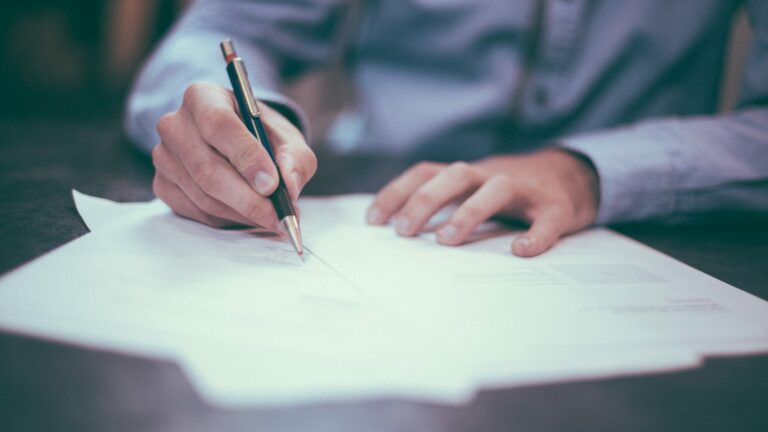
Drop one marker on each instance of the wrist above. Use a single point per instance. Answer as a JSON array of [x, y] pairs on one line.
[[584, 181]]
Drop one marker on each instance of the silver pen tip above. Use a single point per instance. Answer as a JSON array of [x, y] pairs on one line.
[[291, 225]]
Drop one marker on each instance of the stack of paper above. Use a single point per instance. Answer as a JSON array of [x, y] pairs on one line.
[[370, 314]]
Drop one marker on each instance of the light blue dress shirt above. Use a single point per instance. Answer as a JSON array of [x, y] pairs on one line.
[[632, 84]]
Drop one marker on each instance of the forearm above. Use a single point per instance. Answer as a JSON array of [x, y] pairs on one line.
[[669, 168]]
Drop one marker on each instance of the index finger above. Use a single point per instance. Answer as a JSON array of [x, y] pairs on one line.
[[295, 158], [396, 193]]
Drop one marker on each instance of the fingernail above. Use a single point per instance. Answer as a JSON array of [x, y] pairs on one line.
[[403, 224], [523, 242], [448, 232], [263, 182], [374, 215]]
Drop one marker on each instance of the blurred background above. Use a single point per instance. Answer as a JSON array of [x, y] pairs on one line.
[[75, 59]]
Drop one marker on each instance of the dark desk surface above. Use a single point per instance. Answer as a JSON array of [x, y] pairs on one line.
[[52, 386]]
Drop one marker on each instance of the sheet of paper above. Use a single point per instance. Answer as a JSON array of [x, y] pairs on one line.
[[549, 315], [160, 285], [596, 287], [99, 212], [221, 377], [370, 314]]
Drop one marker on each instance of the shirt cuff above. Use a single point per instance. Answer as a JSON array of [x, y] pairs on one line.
[[635, 172]]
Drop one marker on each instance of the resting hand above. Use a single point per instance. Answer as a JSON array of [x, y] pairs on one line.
[[552, 190], [211, 169]]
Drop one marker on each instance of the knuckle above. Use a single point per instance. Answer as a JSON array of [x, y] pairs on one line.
[[157, 187], [161, 157], [155, 151], [461, 170], [424, 168], [422, 199], [470, 212], [503, 183], [459, 166], [166, 124], [206, 174], [157, 157], [193, 92], [216, 124], [245, 155]]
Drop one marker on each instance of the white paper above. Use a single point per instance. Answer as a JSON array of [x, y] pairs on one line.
[[100, 212], [370, 314]]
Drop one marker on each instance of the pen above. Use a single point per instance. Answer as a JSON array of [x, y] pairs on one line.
[[249, 111]]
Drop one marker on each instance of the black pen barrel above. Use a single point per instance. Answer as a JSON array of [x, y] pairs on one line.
[[280, 198]]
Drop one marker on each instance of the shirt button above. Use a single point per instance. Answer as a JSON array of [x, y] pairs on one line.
[[541, 96]]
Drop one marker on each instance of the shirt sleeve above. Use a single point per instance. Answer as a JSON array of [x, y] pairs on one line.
[[674, 168], [276, 39]]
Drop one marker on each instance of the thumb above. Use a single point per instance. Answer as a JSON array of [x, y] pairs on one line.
[[544, 232]]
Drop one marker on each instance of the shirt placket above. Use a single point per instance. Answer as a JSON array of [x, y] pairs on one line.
[[560, 25]]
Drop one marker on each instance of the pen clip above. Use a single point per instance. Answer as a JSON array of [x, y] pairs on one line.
[[241, 76]]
